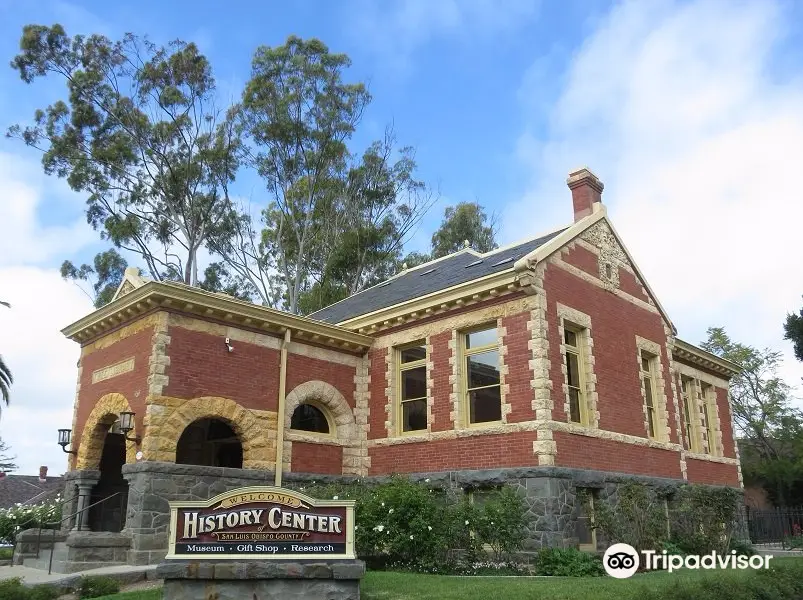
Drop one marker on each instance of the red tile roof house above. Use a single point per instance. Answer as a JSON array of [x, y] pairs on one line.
[[549, 364]]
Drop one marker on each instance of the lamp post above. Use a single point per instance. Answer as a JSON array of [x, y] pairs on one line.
[[65, 437], [127, 425]]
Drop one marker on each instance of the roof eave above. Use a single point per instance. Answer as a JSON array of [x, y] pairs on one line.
[[463, 294], [167, 296], [705, 359]]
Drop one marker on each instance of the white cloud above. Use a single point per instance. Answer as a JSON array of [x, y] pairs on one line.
[[24, 239], [395, 31], [678, 109], [42, 361]]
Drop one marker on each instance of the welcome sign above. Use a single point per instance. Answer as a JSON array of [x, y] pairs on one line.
[[262, 522]]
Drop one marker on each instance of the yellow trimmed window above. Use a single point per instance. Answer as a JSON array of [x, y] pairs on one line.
[[648, 382], [412, 389], [575, 373], [691, 439], [481, 380], [709, 413], [584, 529]]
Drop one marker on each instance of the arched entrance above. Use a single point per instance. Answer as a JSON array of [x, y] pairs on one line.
[[109, 515], [211, 443]]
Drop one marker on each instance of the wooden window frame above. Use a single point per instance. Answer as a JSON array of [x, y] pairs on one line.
[[400, 368], [578, 351], [710, 425], [465, 353], [591, 547], [329, 421], [688, 405], [647, 377]]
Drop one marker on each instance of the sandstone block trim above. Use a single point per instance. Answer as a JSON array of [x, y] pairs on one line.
[[504, 371], [104, 373], [662, 428], [105, 412], [166, 419], [115, 336], [430, 369], [362, 410], [159, 359], [580, 319]]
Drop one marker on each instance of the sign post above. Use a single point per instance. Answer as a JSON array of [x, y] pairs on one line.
[[286, 540]]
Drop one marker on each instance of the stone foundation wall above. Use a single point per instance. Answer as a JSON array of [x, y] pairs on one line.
[[550, 494]]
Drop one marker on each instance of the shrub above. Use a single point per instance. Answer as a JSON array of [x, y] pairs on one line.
[[414, 526], [96, 586], [12, 589], [568, 562], [6, 553], [704, 518], [19, 517], [637, 519]]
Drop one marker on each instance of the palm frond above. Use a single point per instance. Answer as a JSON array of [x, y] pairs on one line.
[[6, 379]]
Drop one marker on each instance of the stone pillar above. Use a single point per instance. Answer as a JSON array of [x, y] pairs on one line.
[[85, 481]]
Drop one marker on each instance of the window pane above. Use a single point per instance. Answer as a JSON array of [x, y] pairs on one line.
[[569, 337], [475, 339], [485, 405], [648, 391], [572, 369], [309, 418], [651, 422], [414, 383], [645, 363], [414, 415], [574, 405], [583, 529], [413, 353], [483, 369]]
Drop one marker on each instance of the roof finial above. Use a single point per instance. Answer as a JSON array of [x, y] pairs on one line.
[[466, 243], [404, 266]]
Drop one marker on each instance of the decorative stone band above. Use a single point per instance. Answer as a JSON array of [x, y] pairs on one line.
[[114, 370], [707, 457]]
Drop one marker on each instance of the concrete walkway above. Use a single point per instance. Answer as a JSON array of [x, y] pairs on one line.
[[124, 574]]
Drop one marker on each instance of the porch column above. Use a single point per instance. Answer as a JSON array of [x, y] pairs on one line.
[[85, 484]]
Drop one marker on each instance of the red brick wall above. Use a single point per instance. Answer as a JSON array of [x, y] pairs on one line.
[[582, 259], [614, 325], [376, 402], [725, 422], [476, 452], [442, 387], [520, 395], [628, 283], [703, 471], [321, 459], [303, 368], [584, 452], [133, 385], [200, 365]]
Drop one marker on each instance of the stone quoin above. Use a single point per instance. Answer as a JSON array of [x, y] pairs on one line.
[[549, 365]]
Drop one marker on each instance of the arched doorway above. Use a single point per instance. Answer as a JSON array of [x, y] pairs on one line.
[[112, 488], [209, 443]]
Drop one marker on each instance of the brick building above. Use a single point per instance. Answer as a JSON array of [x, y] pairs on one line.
[[549, 365]]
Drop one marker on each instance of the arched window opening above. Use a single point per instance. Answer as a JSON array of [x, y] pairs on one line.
[[209, 443], [110, 494], [307, 417]]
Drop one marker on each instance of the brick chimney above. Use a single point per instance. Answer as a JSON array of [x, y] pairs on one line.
[[586, 192], [43, 474]]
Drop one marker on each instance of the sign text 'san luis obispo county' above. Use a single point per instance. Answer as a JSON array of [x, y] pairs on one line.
[[262, 522]]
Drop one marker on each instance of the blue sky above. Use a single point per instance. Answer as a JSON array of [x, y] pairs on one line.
[[690, 112]]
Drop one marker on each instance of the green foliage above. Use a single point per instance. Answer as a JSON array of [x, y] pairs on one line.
[[108, 271], [140, 135], [6, 553], [742, 547], [501, 522], [772, 448], [20, 517], [568, 562], [12, 589], [465, 222], [96, 586], [414, 526], [6, 379], [637, 519], [793, 331]]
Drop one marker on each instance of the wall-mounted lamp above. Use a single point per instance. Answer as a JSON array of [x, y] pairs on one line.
[[127, 425], [65, 436], [229, 347]]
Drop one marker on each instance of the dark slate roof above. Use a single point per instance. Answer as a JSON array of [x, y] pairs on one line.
[[28, 489], [434, 276]]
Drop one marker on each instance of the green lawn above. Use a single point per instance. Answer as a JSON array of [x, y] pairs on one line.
[[379, 585]]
